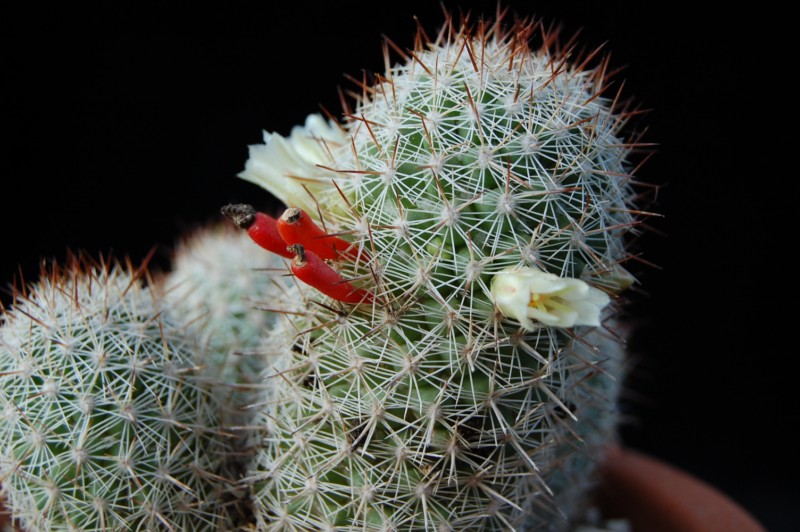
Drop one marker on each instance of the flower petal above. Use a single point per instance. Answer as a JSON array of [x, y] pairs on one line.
[[286, 167], [527, 294]]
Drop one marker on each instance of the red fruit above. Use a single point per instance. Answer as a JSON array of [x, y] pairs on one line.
[[312, 270], [297, 227], [261, 228]]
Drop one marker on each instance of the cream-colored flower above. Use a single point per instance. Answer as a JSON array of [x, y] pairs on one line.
[[530, 294], [284, 165]]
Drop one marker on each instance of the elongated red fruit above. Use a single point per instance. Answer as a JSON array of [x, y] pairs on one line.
[[312, 270], [261, 227], [297, 227]]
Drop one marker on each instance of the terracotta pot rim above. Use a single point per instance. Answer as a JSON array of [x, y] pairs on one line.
[[656, 497]]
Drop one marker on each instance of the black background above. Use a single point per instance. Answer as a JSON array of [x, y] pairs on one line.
[[124, 130]]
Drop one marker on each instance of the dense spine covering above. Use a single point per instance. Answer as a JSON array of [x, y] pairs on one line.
[[105, 422], [222, 288], [219, 286], [440, 406], [445, 356]]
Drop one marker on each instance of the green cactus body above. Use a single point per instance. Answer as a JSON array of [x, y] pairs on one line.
[[104, 421], [220, 286], [592, 366], [439, 407], [216, 287]]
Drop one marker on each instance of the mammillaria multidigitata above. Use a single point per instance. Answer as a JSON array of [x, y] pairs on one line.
[[429, 343]]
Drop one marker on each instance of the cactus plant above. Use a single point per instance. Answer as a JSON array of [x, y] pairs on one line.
[[105, 421], [436, 350], [222, 290], [216, 286], [483, 193]]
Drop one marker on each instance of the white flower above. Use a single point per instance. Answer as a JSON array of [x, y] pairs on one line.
[[530, 294], [283, 165]]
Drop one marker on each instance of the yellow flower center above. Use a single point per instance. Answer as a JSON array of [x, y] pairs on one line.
[[546, 302]]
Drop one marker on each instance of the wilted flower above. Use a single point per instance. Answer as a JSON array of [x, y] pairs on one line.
[[530, 294], [284, 165]]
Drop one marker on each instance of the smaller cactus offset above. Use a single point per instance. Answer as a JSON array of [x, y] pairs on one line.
[[222, 289], [104, 422], [225, 291]]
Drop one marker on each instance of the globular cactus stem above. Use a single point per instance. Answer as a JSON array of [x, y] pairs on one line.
[[485, 188], [105, 420], [223, 289], [216, 286]]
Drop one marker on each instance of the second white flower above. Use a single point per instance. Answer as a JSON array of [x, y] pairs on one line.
[[529, 294]]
